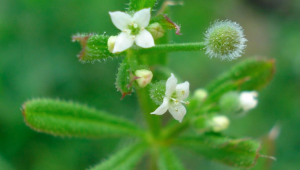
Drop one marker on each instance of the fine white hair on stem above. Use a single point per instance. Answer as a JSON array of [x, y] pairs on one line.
[[225, 40]]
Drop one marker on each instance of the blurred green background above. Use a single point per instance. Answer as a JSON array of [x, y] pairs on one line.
[[38, 59]]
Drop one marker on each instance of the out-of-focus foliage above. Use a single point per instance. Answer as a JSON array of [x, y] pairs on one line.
[[39, 60]]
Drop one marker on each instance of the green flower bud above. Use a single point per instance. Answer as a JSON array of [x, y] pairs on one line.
[[156, 30], [200, 94], [219, 123], [144, 77], [230, 102], [111, 43], [157, 92], [225, 39]]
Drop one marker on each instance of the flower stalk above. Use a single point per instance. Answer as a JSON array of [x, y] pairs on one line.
[[163, 48]]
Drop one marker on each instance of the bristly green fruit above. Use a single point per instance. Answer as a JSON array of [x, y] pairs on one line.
[[157, 92], [225, 39], [94, 47], [229, 103]]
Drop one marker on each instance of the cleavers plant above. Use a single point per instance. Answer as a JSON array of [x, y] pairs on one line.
[[200, 117]]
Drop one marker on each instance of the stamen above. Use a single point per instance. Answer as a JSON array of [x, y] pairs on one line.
[[133, 37], [135, 25], [187, 102], [176, 109], [142, 28], [175, 101]]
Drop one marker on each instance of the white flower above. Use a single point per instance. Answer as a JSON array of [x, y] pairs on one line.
[[248, 100], [174, 96], [133, 29]]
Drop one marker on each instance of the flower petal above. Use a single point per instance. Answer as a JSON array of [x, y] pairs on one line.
[[120, 19], [162, 108], [142, 17], [171, 85], [177, 111], [248, 100], [182, 90], [123, 42], [144, 39]]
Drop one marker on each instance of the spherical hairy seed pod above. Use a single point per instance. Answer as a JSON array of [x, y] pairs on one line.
[[225, 39]]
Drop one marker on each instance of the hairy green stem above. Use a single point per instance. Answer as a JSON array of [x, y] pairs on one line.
[[146, 104], [163, 48]]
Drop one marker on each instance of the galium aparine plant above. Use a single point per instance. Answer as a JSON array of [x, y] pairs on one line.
[[197, 119]]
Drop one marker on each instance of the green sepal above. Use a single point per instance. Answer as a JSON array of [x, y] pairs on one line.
[[252, 74], [165, 22], [125, 159], [241, 153], [168, 160], [94, 47], [136, 5], [60, 118]]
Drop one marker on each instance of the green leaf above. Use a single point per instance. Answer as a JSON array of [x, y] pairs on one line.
[[241, 153], [5, 165], [252, 74], [165, 22], [125, 159], [124, 78], [94, 47], [168, 160], [74, 120], [136, 5]]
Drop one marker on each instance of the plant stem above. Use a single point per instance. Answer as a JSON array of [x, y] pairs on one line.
[[163, 48], [146, 104]]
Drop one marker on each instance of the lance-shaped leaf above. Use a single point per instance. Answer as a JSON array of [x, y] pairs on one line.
[[168, 160], [94, 47], [125, 159], [252, 74], [136, 5], [70, 119], [241, 153]]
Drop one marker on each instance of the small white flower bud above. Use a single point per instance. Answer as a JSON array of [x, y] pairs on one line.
[[111, 43], [248, 100], [225, 39], [219, 123], [200, 94], [144, 77], [156, 30]]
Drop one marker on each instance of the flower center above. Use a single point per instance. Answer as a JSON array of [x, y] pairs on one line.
[[134, 29]]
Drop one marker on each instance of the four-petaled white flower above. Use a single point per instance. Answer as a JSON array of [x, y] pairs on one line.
[[133, 29], [174, 96]]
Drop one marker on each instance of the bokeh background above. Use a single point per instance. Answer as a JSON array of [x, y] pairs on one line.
[[38, 59]]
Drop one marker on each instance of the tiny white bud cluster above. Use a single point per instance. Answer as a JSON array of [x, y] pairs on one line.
[[225, 39]]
